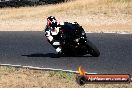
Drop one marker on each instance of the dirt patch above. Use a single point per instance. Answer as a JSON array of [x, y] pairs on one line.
[[89, 28], [93, 15]]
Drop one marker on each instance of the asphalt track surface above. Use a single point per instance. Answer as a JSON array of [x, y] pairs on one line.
[[32, 49]]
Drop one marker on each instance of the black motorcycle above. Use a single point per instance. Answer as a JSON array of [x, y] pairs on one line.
[[74, 42]]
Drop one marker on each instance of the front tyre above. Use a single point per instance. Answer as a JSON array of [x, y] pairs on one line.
[[92, 49]]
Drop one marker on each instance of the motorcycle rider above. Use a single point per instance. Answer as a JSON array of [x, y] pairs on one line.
[[57, 31], [52, 31]]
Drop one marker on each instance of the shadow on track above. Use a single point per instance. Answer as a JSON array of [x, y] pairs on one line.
[[52, 55]]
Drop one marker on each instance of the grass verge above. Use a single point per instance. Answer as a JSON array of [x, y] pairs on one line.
[[93, 15], [16, 77]]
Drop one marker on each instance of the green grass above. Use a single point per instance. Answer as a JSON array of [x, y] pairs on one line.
[[62, 75]]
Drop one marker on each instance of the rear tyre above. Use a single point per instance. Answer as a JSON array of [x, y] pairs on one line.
[[92, 49]]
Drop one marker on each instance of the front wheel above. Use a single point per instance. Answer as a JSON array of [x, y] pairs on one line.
[[92, 49]]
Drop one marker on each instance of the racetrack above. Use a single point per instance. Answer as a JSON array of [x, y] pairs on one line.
[[32, 49]]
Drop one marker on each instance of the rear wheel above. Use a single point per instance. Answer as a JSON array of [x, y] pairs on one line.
[[92, 49]]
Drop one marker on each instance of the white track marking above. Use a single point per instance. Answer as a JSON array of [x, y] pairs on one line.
[[124, 33], [38, 68], [112, 32], [49, 69]]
